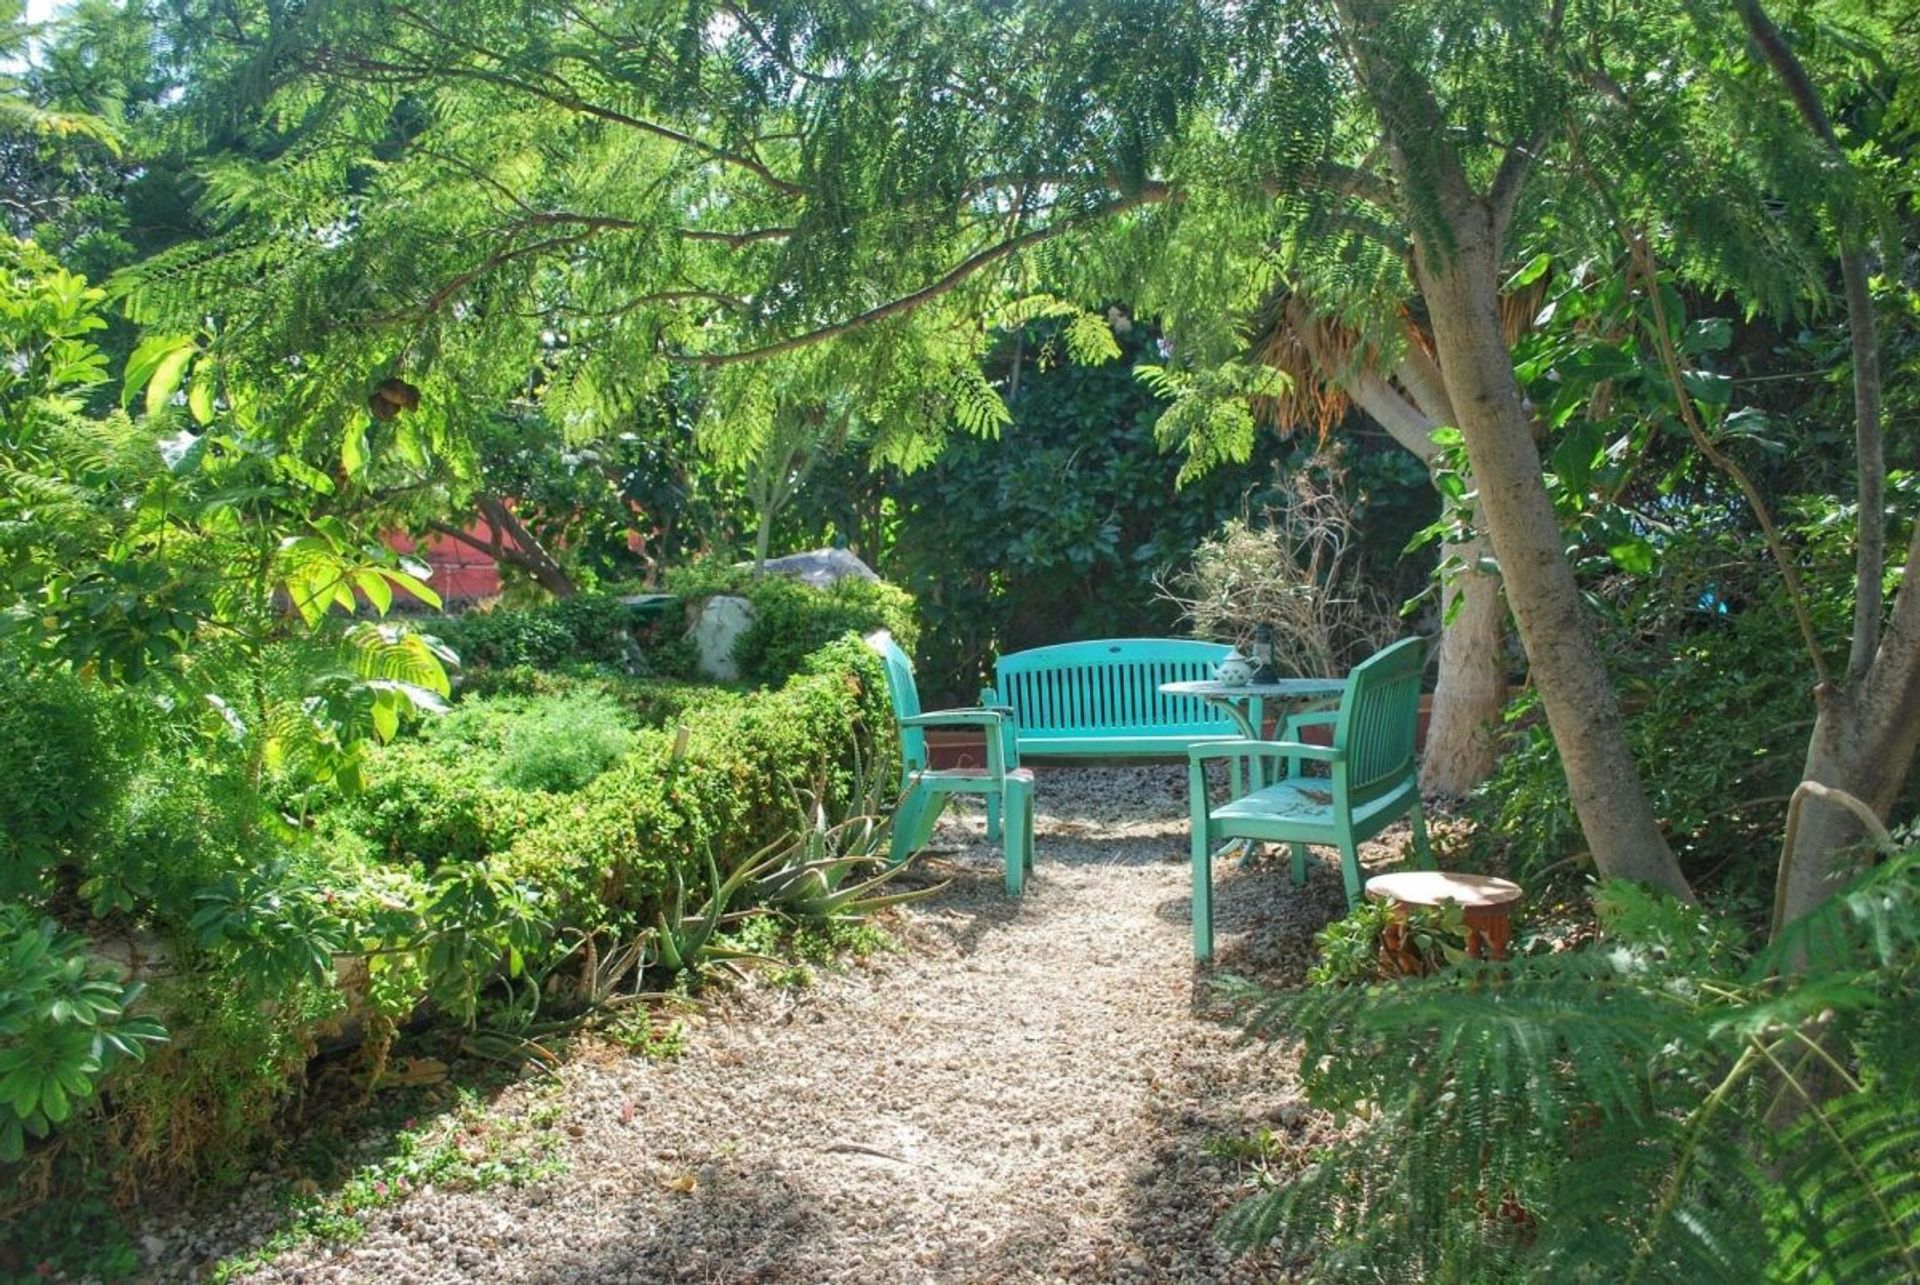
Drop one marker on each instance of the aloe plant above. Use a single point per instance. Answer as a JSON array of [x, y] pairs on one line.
[[810, 880], [684, 942]]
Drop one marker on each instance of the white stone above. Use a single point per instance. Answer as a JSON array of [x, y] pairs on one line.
[[722, 619], [820, 568]]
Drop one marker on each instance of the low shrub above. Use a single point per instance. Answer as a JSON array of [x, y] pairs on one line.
[[589, 629], [792, 620], [653, 701], [425, 805]]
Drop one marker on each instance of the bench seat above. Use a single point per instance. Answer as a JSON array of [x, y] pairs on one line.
[[1134, 745]]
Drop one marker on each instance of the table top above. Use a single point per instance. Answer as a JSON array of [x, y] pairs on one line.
[[1432, 887], [1297, 688]]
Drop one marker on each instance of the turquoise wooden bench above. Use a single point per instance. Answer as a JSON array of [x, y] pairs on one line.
[[1372, 781], [1102, 699], [924, 791]]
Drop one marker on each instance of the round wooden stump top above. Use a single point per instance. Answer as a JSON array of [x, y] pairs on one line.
[[1435, 887]]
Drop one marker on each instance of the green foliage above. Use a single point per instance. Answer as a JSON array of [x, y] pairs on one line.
[[1715, 683], [64, 1027], [1650, 1107], [591, 629], [1353, 948], [557, 744], [1060, 529], [65, 743], [792, 620]]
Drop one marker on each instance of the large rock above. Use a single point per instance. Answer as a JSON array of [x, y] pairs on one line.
[[820, 567], [722, 619]]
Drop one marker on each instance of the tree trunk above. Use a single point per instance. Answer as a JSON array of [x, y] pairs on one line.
[[763, 538], [1471, 693], [1460, 283], [1863, 742]]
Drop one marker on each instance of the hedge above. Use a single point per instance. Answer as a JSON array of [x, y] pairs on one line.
[[606, 854]]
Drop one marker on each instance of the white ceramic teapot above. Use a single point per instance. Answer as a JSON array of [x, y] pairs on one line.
[[1233, 670]]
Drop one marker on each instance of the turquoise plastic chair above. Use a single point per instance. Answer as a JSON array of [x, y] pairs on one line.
[[924, 790], [1372, 781]]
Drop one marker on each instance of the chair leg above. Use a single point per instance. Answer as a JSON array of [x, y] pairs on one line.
[[1299, 863], [1422, 851], [1018, 849], [1350, 869], [913, 823], [993, 818], [1031, 805], [1202, 895]]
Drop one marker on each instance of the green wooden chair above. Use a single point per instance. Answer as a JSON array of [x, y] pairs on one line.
[[924, 790], [1372, 781]]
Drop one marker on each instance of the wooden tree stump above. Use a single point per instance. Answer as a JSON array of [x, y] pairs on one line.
[[1486, 903]]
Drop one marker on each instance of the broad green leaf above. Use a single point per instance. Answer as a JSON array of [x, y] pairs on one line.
[[166, 377]]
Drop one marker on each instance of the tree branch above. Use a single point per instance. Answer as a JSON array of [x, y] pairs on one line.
[[1642, 255], [1870, 454], [954, 277]]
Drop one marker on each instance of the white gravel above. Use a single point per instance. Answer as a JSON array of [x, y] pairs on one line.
[[1023, 1091]]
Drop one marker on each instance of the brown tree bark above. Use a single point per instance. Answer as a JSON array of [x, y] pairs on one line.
[[1868, 725], [511, 543], [1470, 693]]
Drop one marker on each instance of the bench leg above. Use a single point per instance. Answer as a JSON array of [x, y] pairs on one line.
[[1422, 851], [993, 818], [1018, 849], [1299, 863]]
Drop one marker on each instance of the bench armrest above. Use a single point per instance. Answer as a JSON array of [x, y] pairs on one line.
[[1265, 749]]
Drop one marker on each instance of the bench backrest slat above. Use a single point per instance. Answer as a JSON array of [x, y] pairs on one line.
[[1111, 686]]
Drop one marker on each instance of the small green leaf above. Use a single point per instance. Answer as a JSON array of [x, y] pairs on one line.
[[200, 398], [1635, 556]]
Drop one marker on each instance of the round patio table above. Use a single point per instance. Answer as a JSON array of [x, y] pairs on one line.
[[1239, 699]]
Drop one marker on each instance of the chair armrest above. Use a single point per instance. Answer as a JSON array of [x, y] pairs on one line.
[[1266, 749], [956, 718], [1320, 718]]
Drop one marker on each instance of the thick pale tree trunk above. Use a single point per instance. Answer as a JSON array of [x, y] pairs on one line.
[[1471, 693], [1460, 283], [1863, 742]]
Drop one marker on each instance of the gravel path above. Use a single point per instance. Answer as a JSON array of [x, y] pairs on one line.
[[1024, 1091]]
